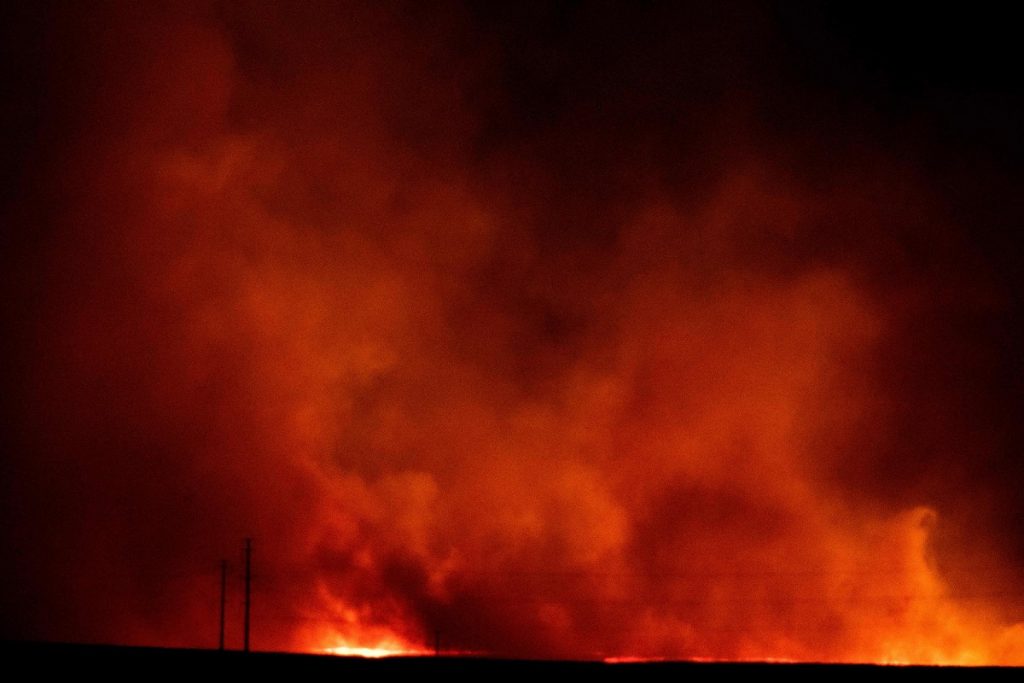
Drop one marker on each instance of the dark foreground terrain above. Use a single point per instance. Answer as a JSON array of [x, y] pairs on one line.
[[108, 660]]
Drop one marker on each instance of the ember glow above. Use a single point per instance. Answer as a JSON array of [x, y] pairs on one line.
[[383, 648], [603, 332]]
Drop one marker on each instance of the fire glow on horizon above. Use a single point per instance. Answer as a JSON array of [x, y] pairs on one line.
[[564, 344]]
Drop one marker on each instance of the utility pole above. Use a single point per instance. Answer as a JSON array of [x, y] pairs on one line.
[[248, 591], [223, 598]]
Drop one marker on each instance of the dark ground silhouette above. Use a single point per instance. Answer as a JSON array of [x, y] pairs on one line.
[[143, 661]]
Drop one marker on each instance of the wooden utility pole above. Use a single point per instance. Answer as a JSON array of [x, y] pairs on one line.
[[248, 591], [223, 598]]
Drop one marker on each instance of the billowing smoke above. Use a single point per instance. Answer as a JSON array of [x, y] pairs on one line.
[[559, 332]]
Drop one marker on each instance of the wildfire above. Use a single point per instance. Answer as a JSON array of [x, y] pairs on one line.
[[502, 326], [383, 648], [351, 638]]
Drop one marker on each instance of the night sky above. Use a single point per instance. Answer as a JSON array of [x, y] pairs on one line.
[[575, 330]]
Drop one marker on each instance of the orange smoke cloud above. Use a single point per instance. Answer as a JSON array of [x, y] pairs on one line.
[[491, 371]]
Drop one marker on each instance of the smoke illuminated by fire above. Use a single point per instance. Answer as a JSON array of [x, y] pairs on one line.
[[624, 374]]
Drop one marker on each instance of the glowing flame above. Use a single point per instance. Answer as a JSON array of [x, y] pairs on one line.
[[381, 649], [373, 643]]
